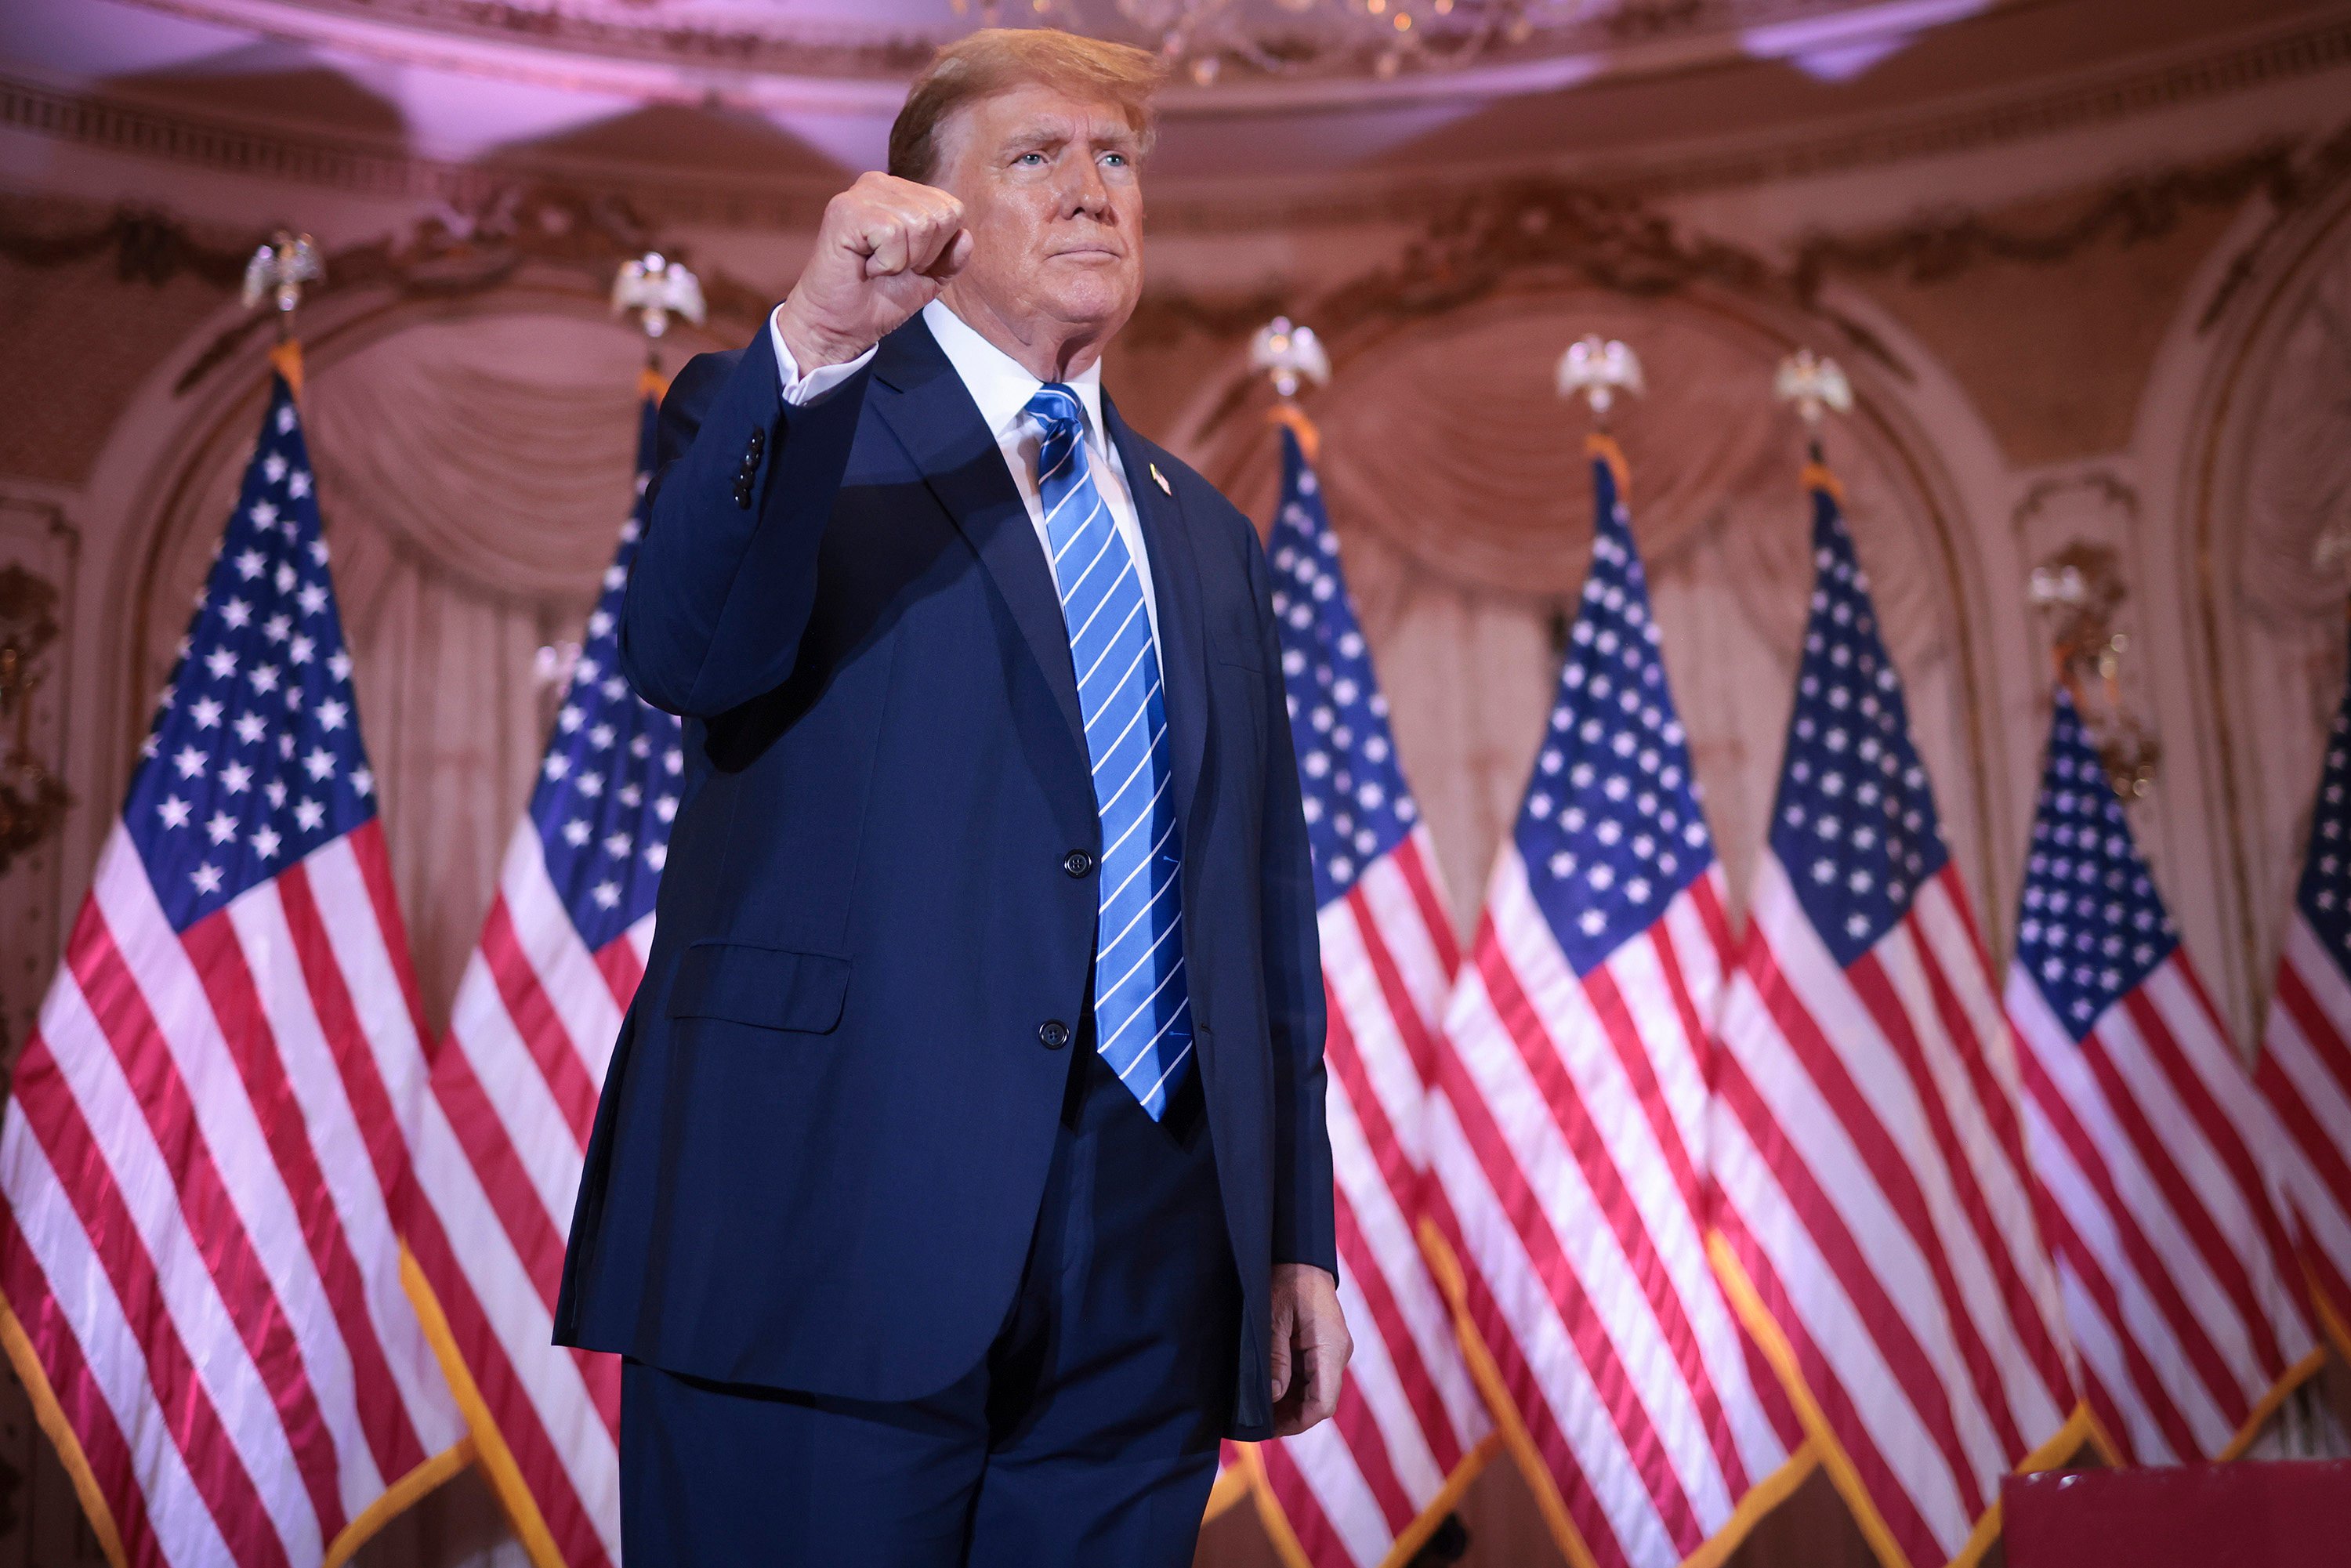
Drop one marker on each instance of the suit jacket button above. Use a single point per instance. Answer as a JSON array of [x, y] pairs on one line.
[[759, 443], [1053, 1034], [1077, 863]]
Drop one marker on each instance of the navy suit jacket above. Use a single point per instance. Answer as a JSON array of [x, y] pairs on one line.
[[824, 1134]]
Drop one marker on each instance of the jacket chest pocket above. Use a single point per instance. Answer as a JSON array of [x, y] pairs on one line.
[[766, 988]]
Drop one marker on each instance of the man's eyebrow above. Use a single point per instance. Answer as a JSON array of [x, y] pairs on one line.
[[1122, 137], [1037, 136]]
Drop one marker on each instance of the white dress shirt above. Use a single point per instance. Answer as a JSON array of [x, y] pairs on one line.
[[1002, 387]]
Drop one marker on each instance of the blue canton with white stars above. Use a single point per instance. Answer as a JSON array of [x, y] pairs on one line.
[[1611, 829], [2324, 895], [1357, 808], [255, 759], [607, 788], [1854, 824], [2093, 926]]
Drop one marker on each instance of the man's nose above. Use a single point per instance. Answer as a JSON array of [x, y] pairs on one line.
[[1086, 193]]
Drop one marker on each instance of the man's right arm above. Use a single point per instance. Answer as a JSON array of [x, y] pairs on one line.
[[726, 576]]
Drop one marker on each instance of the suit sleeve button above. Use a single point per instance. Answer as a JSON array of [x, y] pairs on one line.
[[1077, 863], [1053, 1034]]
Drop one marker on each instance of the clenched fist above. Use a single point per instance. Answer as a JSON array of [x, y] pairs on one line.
[[884, 250]]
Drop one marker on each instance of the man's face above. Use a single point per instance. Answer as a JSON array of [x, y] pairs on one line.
[[1052, 194]]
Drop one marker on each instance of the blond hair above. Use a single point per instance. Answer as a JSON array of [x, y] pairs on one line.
[[995, 59]]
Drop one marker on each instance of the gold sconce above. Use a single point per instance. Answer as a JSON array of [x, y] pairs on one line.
[[33, 801], [2080, 590]]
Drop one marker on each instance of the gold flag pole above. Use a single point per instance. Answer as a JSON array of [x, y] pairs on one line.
[[277, 273], [1287, 353], [1595, 370], [656, 288]]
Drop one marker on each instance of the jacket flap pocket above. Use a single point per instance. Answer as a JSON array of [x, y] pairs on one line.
[[765, 987]]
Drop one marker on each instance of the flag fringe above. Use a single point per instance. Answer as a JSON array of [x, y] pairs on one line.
[[1755, 1507], [2081, 1430], [1512, 1431], [1230, 1487], [61, 1435], [2337, 1331], [1747, 1302], [2264, 1407], [397, 1498], [1499, 1403], [1409, 1540], [496, 1459]]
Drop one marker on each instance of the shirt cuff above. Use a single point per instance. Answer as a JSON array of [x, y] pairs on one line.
[[799, 391]]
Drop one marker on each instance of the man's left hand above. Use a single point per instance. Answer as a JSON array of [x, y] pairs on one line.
[[1311, 1348]]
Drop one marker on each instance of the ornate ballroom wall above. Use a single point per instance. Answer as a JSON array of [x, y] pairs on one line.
[[2091, 274]]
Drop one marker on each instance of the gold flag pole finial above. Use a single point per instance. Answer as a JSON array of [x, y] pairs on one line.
[[1816, 385], [1597, 369], [276, 273], [1288, 353], [656, 288]]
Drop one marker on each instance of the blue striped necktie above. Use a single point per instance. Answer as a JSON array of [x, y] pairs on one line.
[[1143, 1007]]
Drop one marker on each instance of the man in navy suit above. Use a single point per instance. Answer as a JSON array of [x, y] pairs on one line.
[[960, 1177]]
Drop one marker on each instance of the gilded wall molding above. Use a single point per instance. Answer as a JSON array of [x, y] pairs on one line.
[[447, 256], [146, 246], [2128, 211]]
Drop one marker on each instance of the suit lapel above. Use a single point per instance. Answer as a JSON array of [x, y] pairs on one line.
[[926, 405], [1175, 583]]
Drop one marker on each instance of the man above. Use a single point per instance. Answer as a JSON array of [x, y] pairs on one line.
[[960, 1177]]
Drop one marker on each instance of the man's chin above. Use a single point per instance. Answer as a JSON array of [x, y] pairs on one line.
[[1104, 308]]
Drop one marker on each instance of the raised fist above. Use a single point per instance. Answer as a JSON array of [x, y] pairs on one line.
[[884, 250]]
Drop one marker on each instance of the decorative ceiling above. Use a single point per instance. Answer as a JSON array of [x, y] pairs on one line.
[[1227, 54], [781, 97]]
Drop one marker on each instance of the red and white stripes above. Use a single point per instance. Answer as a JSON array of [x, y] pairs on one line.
[[205, 1143], [1876, 1210], [504, 1134], [1567, 1134], [1362, 1489], [2305, 1075], [2151, 1142]]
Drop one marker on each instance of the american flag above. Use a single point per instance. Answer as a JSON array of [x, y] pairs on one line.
[[1876, 1211], [208, 1138], [2149, 1139], [515, 1081], [1567, 1128], [2306, 1067], [1366, 1488]]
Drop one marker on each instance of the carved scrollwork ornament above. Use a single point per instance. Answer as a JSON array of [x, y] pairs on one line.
[[33, 801], [2080, 591]]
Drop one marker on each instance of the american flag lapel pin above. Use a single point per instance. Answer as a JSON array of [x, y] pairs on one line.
[[1161, 480]]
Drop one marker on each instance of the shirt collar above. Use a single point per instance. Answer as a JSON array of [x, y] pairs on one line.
[[999, 383]]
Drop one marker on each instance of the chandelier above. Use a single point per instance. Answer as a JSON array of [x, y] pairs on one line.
[[1203, 39]]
